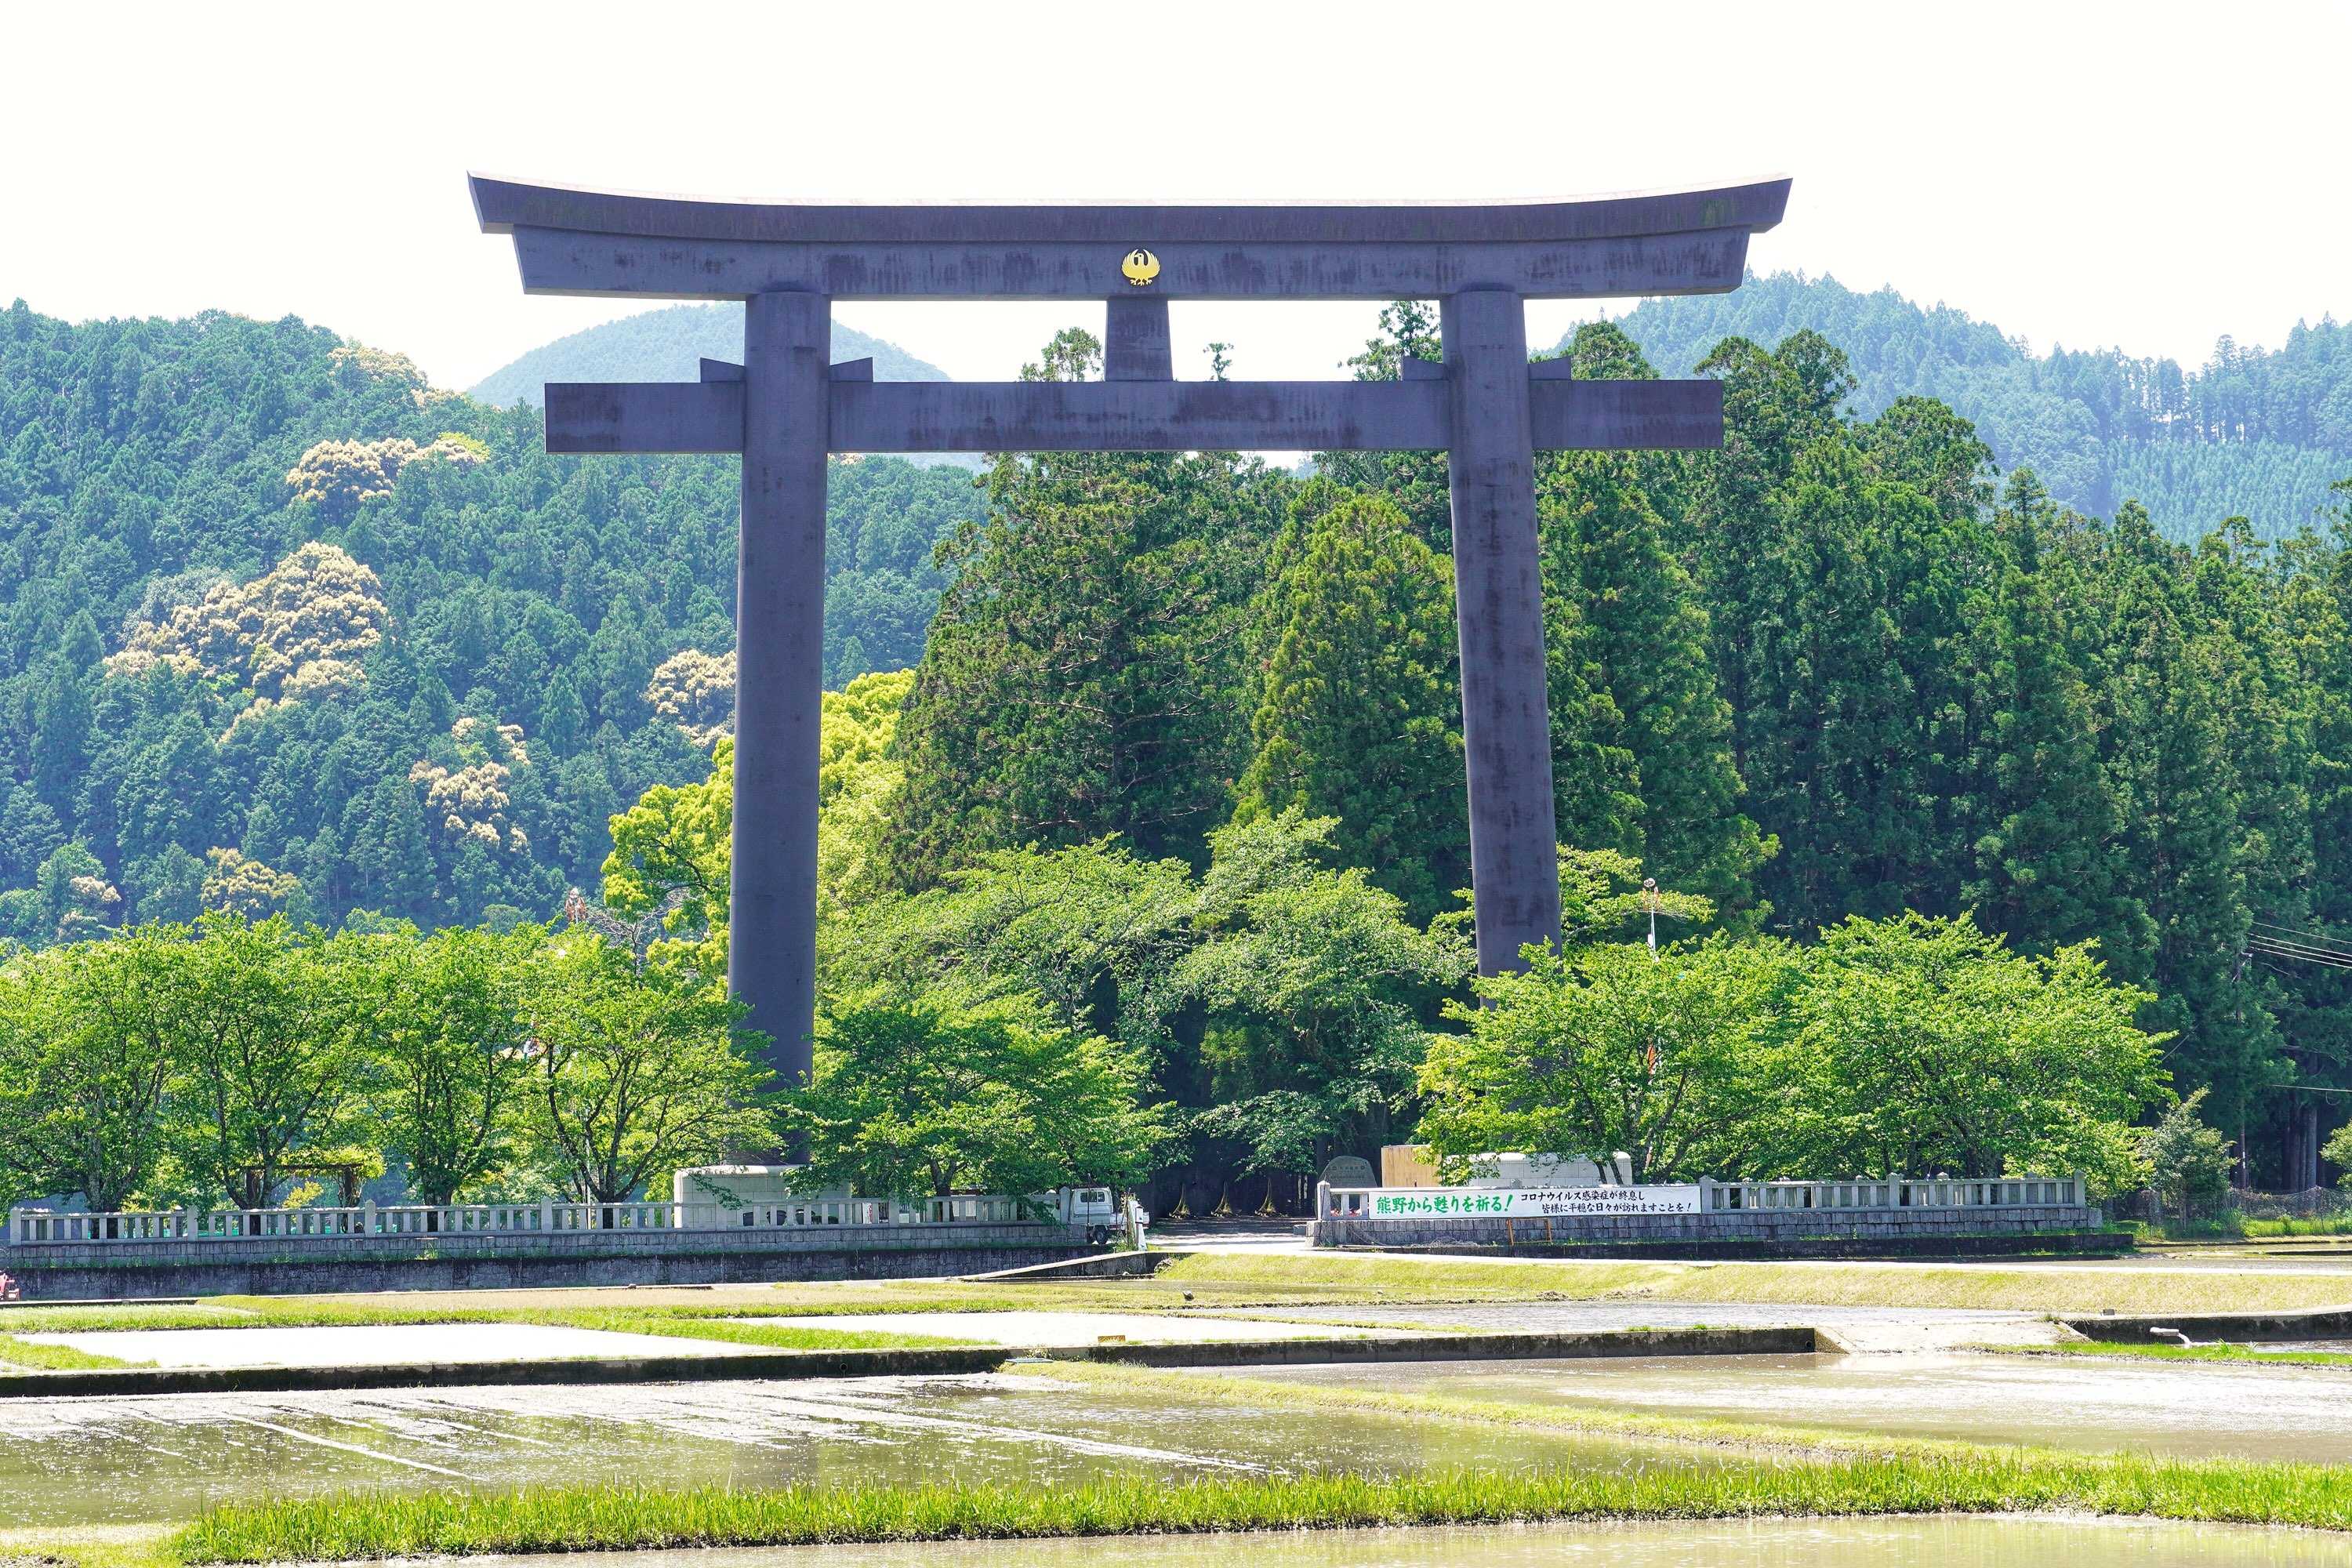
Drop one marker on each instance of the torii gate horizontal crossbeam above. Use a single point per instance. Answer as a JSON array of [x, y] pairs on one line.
[[593, 242], [1711, 261], [1131, 416]]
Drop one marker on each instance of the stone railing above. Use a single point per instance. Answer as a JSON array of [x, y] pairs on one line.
[[34, 1228], [1858, 1194], [1896, 1192]]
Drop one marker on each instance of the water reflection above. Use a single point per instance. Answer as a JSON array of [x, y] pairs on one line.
[[2186, 1409], [72, 1461]]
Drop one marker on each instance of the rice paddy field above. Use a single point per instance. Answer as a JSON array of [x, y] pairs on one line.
[[1864, 1461]]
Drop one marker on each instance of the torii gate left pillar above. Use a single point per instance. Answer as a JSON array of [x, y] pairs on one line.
[[784, 409], [779, 659]]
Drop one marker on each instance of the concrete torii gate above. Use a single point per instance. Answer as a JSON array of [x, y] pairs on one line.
[[786, 406]]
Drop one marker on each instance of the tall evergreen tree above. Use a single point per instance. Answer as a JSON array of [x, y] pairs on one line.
[[2045, 870], [1085, 673], [1644, 635], [1358, 718]]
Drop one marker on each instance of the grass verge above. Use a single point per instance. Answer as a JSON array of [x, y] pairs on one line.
[[2239, 1353], [1230, 1280], [570, 1519], [234, 1312], [731, 1330], [29, 1356], [2318, 1225]]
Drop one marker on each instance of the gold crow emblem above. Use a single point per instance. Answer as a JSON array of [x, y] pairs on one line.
[[1140, 266]]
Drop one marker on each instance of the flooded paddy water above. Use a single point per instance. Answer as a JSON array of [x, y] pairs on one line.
[[81, 1461], [2187, 1409]]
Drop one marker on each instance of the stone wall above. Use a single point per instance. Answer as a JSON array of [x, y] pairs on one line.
[[286, 1265], [1903, 1228]]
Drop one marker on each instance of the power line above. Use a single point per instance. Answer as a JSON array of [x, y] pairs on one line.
[[2309, 939], [2289, 950], [2271, 947]]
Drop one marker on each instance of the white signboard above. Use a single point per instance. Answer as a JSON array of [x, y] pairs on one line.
[[1524, 1203]]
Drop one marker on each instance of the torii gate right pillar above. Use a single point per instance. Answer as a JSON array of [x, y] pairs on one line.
[[1499, 619]]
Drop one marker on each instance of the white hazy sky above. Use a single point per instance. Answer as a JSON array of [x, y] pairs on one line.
[[2145, 175]]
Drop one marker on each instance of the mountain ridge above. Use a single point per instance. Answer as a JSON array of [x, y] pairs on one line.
[[665, 345], [2257, 432]]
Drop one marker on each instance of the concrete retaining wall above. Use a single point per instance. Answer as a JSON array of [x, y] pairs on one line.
[[509, 1260], [1767, 1231], [2203, 1328]]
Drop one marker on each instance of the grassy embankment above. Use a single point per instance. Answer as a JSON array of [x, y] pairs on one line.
[[2054, 1287], [591, 1519], [1268, 1281]]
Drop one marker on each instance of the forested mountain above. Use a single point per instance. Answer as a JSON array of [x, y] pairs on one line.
[[668, 345], [2253, 433], [285, 628], [281, 624]]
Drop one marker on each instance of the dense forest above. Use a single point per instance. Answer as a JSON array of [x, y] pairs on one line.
[[286, 628], [1843, 667], [282, 626]]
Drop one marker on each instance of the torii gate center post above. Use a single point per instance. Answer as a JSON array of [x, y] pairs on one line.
[[786, 406]]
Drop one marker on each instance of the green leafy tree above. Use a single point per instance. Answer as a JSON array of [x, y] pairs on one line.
[[1091, 930], [2337, 1151], [1666, 1056], [89, 1036], [1631, 667], [2188, 1161], [171, 885], [638, 1072], [1603, 897], [672, 849], [453, 1056], [1313, 982], [270, 1048], [928, 1095], [1922, 1047]]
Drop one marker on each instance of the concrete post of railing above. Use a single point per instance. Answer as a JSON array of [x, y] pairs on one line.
[[367, 1217], [547, 1214], [1322, 1200]]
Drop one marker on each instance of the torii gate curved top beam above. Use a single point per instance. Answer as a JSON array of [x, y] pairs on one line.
[[786, 407], [574, 241]]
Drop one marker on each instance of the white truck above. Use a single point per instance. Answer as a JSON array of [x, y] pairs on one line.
[[1105, 1215]]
